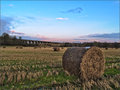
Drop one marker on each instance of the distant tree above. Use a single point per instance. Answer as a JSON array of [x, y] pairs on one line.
[[95, 43], [0, 40], [105, 45], [20, 38], [6, 38], [5, 35], [116, 45], [14, 40]]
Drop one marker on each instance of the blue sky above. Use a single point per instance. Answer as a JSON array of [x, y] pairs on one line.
[[62, 20]]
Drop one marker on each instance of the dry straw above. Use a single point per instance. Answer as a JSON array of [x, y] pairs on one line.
[[85, 63]]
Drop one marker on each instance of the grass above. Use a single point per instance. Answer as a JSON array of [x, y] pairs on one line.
[[42, 67], [111, 72]]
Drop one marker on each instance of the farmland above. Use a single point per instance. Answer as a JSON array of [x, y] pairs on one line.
[[37, 68]]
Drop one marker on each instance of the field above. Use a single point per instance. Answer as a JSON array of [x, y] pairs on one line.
[[41, 68]]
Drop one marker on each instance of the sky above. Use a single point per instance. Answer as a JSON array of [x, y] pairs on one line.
[[64, 21]]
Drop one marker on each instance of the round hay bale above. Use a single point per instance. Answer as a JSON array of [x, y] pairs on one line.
[[4, 46], [56, 48], [35, 47], [85, 63], [106, 48], [62, 47], [21, 47]]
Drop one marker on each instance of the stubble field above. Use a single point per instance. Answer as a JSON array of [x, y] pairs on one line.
[[41, 68]]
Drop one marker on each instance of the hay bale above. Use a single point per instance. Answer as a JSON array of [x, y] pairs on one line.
[[62, 47], [56, 49], [21, 47], [4, 46], [106, 48], [85, 63], [35, 47]]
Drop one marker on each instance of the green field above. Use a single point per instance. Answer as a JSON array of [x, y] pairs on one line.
[[41, 68]]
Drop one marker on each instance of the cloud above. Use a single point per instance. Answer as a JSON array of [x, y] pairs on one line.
[[30, 17], [108, 37], [35, 37], [11, 23], [58, 40], [41, 37], [6, 24], [10, 5], [15, 33], [23, 19], [85, 38], [75, 10], [111, 35], [27, 36], [60, 18]]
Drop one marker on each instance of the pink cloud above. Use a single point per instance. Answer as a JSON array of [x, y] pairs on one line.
[[79, 40], [41, 37], [45, 38], [60, 18], [12, 31], [86, 38], [59, 40], [16, 33]]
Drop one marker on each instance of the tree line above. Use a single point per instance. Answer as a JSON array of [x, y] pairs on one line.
[[6, 39]]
